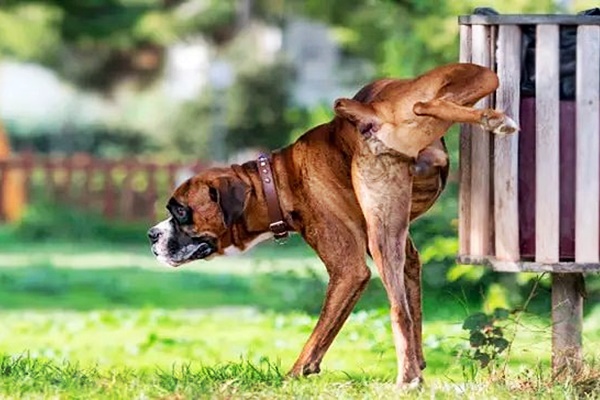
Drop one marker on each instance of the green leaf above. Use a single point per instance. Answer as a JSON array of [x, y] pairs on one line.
[[476, 322], [476, 339], [501, 313], [483, 358], [500, 344]]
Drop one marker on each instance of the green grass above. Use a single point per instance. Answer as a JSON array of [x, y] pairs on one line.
[[91, 321]]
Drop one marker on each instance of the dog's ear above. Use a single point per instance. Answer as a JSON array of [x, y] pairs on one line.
[[362, 115], [231, 195]]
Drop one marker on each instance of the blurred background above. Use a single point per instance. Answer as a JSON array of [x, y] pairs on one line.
[[106, 104]]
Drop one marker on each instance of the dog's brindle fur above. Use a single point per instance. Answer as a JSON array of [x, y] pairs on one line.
[[224, 208]]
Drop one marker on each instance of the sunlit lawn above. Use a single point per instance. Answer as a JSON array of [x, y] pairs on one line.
[[131, 328]]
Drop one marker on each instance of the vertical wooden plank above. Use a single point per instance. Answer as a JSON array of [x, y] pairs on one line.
[[547, 210], [171, 174], [49, 182], [464, 160], [127, 192], [506, 148], [480, 156], [67, 186], [88, 176], [151, 192], [110, 203], [567, 322], [587, 181], [28, 168], [3, 184]]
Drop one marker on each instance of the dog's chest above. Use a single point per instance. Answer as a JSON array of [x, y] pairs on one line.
[[232, 250]]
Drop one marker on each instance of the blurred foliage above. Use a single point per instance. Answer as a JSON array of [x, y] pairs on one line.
[[257, 108], [303, 119], [28, 32], [98, 140], [190, 132], [257, 115], [402, 37], [44, 221], [94, 44], [216, 20]]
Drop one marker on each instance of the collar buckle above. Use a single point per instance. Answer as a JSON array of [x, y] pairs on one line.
[[280, 232]]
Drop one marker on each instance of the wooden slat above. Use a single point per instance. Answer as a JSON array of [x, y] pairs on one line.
[[506, 148], [109, 192], [464, 160], [4, 168], [587, 194], [547, 210], [527, 266], [529, 19], [480, 157]]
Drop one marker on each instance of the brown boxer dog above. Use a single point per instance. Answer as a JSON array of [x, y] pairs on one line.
[[401, 122], [224, 210]]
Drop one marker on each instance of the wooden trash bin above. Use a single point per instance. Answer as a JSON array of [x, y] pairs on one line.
[[531, 201]]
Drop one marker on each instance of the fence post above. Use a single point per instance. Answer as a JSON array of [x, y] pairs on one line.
[[108, 190]]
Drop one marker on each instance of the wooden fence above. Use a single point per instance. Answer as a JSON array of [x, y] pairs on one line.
[[129, 189]]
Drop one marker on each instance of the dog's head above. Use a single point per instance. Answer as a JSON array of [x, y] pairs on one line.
[[201, 213]]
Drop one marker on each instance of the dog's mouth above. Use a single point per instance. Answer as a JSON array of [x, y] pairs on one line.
[[196, 249], [203, 250]]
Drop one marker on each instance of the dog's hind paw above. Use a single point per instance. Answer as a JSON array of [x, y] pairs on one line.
[[415, 384], [507, 126], [499, 124]]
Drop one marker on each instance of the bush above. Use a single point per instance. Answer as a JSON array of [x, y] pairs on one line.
[[98, 140], [44, 221]]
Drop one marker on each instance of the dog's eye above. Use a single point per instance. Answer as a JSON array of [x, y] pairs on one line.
[[213, 193], [180, 213]]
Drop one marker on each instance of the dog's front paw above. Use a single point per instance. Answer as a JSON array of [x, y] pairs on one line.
[[300, 370]]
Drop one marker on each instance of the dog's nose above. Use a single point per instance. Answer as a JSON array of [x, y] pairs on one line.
[[154, 235]]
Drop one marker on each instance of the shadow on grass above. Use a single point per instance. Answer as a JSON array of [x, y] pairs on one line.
[[46, 287]]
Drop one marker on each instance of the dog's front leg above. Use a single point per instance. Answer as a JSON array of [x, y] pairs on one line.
[[342, 250]]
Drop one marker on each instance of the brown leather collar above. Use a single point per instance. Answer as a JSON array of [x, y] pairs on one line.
[[276, 223]]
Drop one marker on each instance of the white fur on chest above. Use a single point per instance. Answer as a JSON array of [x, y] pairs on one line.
[[233, 250]]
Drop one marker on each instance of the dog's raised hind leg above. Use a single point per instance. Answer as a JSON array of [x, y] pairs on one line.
[[491, 120]]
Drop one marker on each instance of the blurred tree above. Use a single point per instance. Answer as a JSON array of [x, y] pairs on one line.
[[400, 37], [190, 131], [258, 105], [94, 44]]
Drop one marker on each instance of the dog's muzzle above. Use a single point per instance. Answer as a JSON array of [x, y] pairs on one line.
[[173, 247]]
